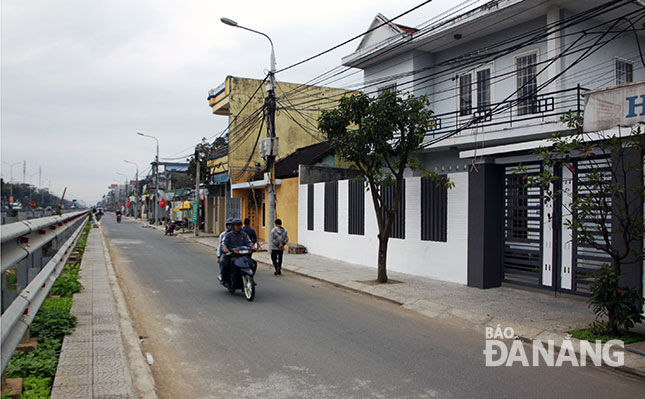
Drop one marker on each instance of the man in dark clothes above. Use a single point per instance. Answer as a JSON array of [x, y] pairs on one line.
[[249, 231]]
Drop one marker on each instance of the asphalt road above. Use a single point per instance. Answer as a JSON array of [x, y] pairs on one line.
[[301, 338]]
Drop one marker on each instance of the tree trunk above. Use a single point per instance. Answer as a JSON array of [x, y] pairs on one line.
[[382, 258]]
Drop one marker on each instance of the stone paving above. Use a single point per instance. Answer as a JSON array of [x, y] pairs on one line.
[[93, 362]]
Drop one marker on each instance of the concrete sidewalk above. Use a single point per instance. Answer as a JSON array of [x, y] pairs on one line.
[[532, 315], [101, 358]]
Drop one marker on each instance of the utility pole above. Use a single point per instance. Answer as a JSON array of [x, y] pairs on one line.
[[24, 172], [196, 207], [272, 142], [271, 139]]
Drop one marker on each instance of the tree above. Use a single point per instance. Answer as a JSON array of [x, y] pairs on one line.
[[206, 151], [378, 136], [605, 211]]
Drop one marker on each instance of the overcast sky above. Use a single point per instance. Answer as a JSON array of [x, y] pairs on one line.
[[80, 78]]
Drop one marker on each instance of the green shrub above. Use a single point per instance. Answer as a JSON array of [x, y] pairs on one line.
[[36, 387], [621, 305], [41, 362], [52, 324], [67, 283], [64, 304]]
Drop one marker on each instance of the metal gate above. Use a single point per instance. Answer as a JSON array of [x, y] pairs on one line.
[[588, 260], [522, 255]]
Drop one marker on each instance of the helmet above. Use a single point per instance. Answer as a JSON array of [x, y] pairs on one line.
[[236, 221], [230, 220]]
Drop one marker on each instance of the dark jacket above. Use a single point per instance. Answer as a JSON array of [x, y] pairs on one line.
[[251, 233], [235, 239]]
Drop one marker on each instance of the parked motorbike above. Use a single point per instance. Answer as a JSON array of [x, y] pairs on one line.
[[241, 271], [170, 228], [118, 218]]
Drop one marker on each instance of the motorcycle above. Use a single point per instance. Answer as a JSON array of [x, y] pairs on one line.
[[241, 271], [170, 228], [118, 218]]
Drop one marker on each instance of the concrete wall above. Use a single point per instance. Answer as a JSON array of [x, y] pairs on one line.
[[445, 261]]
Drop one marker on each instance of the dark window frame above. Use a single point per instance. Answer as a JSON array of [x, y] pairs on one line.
[[434, 209], [331, 207], [398, 225], [310, 207], [356, 207]]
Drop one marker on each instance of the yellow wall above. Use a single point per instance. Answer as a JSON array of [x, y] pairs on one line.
[[286, 208], [291, 134]]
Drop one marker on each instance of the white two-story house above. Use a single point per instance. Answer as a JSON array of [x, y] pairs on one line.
[[499, 78]]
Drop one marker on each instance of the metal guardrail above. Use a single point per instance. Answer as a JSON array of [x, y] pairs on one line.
[[38, 248]]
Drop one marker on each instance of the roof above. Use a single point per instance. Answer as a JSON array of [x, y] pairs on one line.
[[288, 166]]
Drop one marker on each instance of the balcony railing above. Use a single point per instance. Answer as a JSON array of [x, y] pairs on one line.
[[518, 112]]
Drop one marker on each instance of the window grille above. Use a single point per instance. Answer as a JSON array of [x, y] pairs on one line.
[[356, 211], [310, 207], [331, 207], [398, 225], [434, 209]]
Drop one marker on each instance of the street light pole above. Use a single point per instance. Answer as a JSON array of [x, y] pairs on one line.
[[11, 165], [156, 177], [136, 190], [270, 122]]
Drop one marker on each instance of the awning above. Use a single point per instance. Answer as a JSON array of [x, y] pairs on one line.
[[253, 184]]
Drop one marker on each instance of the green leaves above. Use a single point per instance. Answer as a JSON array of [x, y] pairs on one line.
[[41, 362], [377, 134], [53, 323], [621, 304]]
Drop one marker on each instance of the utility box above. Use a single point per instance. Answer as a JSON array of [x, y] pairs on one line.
[[269, 147]]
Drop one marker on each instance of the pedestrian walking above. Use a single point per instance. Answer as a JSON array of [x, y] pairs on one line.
[[278, 239]]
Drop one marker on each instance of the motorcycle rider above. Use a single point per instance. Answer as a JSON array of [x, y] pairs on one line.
[[233, 239], [221, 257]]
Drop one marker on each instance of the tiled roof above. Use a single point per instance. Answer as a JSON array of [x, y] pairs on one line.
[[288, 166]]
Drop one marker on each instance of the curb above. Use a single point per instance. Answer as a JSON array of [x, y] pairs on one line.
[[141, 374]]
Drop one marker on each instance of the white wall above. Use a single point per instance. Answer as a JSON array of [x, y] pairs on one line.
[[447, 261]]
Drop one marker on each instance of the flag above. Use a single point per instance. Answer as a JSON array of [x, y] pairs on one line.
[[162, 203]]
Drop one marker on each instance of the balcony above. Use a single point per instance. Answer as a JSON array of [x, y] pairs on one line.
[[534, 115]]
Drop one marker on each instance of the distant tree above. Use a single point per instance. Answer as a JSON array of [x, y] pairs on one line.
[[378, 136], [206, 151]]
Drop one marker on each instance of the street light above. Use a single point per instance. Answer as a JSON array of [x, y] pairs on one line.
[[156, 177], [136, 179], [271, 119], [11, 165]]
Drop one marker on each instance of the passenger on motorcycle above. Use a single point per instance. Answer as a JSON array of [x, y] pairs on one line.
[[221, 257], [233, 239]]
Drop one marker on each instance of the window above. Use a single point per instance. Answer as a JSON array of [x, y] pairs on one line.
[[398, 225], [310, 207], [483, 90], [391, 87], [331, 207], [526, 69], [624, 72], [465, 95], [434, 209], [356, 210]]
